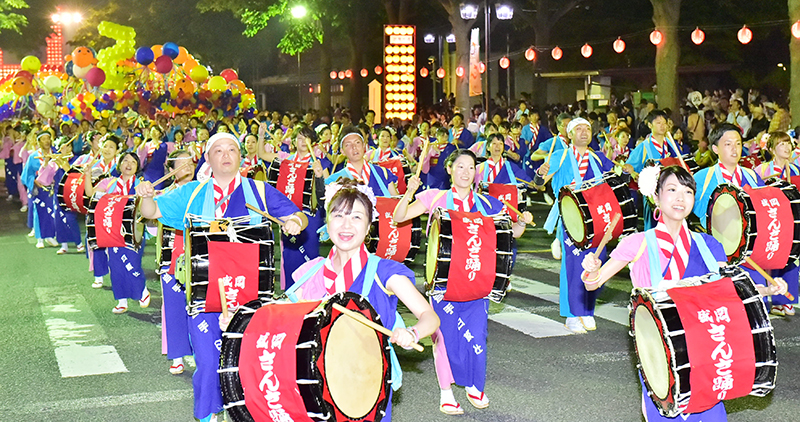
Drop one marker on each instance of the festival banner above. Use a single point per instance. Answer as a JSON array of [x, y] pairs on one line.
[[774, 225], [292, 179], [268, 362], [508, 193], [108, 221], [719, 340], [395, 165], [475, 83], [473, 260], [236, 265], [394, 241]]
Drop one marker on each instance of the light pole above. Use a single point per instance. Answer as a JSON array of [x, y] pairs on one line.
[[68, 22], [470, 12], [299, 12]]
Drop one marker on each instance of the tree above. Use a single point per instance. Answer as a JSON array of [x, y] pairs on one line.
[[12, 21], [666, 14]]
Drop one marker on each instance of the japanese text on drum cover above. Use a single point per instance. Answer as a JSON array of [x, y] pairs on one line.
[[292, 178], [774, 227], [232, 289], [108, 213], [474, 246], [269, 382], [723, 353], [394, 235], [73, 192]]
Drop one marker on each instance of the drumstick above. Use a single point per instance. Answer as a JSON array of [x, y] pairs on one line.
[[265, 214], [788, 173], [518, 212], [552, 146], [607, 235], [525, 182], [223, 301], [677, 151], [310, 149], [425, 145], [170, 174], [377, 327], [766, 276]]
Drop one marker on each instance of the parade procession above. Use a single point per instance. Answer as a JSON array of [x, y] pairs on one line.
[[184, 243]]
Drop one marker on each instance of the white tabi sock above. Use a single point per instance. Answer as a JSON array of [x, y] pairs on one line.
[[446, 396], [123, 303]]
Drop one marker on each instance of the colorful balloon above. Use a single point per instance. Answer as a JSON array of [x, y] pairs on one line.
[[163, 64], [52, 83], [24, 74], [171, 49], [95, 76], [31, 64], [217, 83], [21, 86], [199, 74], [83, 57], [144, 56], [183, 55], [229, 75]]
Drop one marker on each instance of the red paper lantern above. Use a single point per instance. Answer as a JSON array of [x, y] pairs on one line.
[[364, 73], [530, 54], [656, 37], [481, 67], [796, 29], [378, 70], [745, 35], [440, 73], [586, 50], [341, 74], [504, 62], [333, 74], [310, 89], [557, 53], [619, 45], [460, 71], [348, 73], [698, 36], [423, 72]]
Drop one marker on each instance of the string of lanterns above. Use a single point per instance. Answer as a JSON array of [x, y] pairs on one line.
[[744, 35]]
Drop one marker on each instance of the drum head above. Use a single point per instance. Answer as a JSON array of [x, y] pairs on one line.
[[433, 250], [651, 351], [353, 358], [572, 218], [727, 225]]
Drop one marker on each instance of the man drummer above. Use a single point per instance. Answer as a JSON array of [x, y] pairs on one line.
[[382, 181], [571, 167], [225, 194]]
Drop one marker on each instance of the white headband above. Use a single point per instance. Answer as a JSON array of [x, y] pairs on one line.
[[219, 136], [575, 122]]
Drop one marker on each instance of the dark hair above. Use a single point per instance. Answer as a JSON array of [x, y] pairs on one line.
[[561, 117], [716, 134], [346, 197], [776, 138], [488, 125], [684, 178], [135, 157], [653, 115], [308, 133], [458, 153]]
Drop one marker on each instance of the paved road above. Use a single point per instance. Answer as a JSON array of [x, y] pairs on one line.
[[58, 331]]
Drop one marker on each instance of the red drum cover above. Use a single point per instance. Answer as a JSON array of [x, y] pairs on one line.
[[396, 166], [775, 226], [291, 181], [73, 193], [473, 260], [604, 206], [237, 265], [508, 193], [108, 221], [395, 240]]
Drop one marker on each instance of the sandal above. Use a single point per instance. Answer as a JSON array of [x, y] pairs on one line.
[[451, 409], [479, 402], [176, 369], [120, 309], [145, 301]]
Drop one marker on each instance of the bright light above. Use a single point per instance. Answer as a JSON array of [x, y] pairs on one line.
[[55, 17], [451, 38], [66, 18], [504, 12], [429, 39], [299, 11], [76, 17], [468, 11]]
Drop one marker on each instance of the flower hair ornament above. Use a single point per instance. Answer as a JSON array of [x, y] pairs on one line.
[[332, 189], [648, 180]]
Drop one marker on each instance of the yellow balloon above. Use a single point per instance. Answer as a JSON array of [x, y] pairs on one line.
[[31, 64], [217, 83], [199, 74]]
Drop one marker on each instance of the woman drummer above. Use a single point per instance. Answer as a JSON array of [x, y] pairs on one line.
[[461, 364], [350, 267], [780, 146], [681, 254], [125, 263], [175, 318]]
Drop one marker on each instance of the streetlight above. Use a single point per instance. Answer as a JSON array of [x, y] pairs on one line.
[[470, 12], [66, 17], [299, 11]]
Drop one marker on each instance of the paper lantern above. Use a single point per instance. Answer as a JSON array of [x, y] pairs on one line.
[[341, 74], [796, 29], [460, 71], [698, 36], [440, 73], [348, 73], [586, 51], [745, 35], [619, 45], [482, 67], [504, 62], [557, 53], [530, 54], [378, 70], [423, 72], [364, 73], [333, 74], [656, 37]]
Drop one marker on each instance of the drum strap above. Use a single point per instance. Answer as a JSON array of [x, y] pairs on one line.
[[381, 184]]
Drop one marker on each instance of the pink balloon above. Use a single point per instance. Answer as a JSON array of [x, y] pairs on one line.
[[229, 75], [95, 76], [163, 64]]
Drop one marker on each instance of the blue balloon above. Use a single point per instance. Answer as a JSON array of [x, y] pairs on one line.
[[68, 68], [144, 56], [171, 49]]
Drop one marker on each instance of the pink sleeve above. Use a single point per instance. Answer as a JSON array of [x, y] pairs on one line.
[[628, 247], [283, 155], [102, 185], [46, 174], [427, 197], [314, 287], [5, 152], [170, 147], [142, 153]]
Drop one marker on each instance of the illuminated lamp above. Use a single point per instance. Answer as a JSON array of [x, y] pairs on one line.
[[423, 72], [619, 45], [364, 73], [440, 73], [698, 36], [482, 67], [557, 53], [530, 54], [504, 62], [796, 29], [460, 71], [389, 30], [333, 74], [348, 73], [586, 51], [745, 35], [656, 37], [378, 70], [341, 74]]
